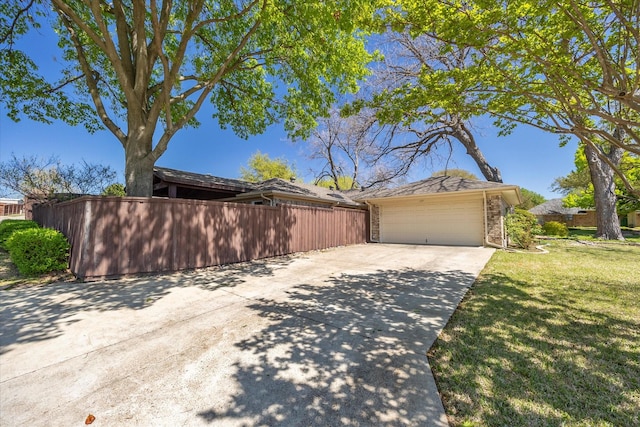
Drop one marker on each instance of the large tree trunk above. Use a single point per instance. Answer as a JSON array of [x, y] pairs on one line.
[[602, 177], [138, 171]]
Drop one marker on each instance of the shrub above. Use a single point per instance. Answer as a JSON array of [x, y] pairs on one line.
[[522, 226], [38, 250], [555, 228], [114, 190], [8, 226]]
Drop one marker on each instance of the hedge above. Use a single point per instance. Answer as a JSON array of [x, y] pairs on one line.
[[555, 228], [38, 250]]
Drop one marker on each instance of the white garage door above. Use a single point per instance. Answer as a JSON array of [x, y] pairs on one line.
[[434, 221]]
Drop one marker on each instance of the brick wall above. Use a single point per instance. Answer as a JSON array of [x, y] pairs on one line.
[[495, 220], [374, 212]]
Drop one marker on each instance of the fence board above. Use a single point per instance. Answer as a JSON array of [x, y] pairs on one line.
[[113, 236]]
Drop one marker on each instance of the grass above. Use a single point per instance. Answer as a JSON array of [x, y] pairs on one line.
[[546, 340], [586, 233]]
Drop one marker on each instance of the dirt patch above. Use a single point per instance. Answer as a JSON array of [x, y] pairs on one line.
[[10, 276]]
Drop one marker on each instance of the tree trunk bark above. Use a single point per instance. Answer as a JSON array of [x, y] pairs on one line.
[[465, 137], [138, 171], [602, 178]]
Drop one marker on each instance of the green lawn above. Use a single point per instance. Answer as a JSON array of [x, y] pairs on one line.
[[546, 340]]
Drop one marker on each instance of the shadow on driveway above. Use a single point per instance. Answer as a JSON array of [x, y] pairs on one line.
[[336, 337], [352, 352], [29, 314]]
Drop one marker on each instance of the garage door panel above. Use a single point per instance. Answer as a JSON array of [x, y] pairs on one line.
[[438, 222]]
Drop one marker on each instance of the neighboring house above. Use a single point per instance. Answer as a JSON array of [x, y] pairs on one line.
[[276, 191], [633, 219], [11, 206], [442, 210], [553, 210], [187, 185], [438, 211], [173, 183]]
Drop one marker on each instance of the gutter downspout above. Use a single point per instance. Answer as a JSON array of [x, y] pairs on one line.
[[486, 225], [267, 199]]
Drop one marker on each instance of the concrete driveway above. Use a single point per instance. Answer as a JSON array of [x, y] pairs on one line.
[[329, 338]]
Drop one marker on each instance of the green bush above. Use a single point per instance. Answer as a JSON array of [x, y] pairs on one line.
[[114, 190], [555, 228], [8, 226], [522, 226], [38, 250]]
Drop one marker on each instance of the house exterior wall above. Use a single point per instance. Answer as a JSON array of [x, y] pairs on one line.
[[496, 209], [294, 202], [277, 201], [633, 219]]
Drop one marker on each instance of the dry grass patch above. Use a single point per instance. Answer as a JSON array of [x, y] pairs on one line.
[[10, 277]]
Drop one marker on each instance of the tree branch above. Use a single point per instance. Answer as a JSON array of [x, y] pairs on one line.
[[91, 81]]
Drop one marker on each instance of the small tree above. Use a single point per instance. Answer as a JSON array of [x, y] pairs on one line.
[[343, 183], [522, 226], [116, 189], [37, 177], [460, 173], [261, 167], [530, 199]]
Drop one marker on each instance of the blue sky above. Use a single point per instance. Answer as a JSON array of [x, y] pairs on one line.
[[529, 158]]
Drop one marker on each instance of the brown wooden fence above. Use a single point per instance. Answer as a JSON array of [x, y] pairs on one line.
[[115, 236]]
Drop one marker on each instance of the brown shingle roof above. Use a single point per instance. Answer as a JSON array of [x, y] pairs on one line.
[[554, 206], [201, 180], [434, 185], [283, 187]]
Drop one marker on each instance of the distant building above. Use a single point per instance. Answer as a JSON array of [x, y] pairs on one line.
[[11, 207], [553, 210]]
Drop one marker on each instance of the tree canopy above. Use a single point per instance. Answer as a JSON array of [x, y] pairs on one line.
[[567, 67], [143, 70], [261, 167], [406, 101]]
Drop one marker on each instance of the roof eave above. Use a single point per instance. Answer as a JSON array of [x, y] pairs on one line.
[[515, 195], [285, 195]]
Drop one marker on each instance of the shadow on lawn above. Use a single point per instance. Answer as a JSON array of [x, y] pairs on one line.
[[37, 313], [550, 363], [350, 351]]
